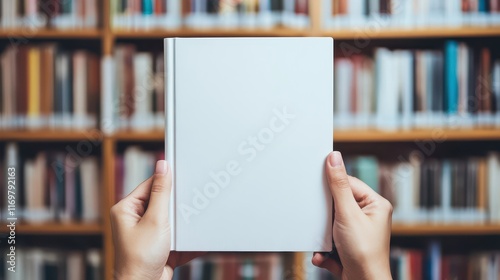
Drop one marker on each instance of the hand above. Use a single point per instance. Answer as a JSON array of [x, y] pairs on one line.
[[141, 230], [361, 227]]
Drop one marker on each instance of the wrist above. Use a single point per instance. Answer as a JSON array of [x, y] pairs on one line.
[[380, 270], [129, 273]]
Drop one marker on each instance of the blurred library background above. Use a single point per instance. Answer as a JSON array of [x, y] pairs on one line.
[[417, 117]]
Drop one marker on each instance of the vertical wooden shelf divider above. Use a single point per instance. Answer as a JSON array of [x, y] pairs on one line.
[[109, 149]]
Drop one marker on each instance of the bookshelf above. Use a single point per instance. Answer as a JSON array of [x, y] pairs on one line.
[[29, 33], [58, 229], [413, 33], [218, 32], [108, 37]]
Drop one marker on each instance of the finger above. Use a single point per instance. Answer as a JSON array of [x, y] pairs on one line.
[[176, 259], [134, 203], [142, 191], [159, 198], [362, 193], [360, 189], [331, 265], [340, 187]]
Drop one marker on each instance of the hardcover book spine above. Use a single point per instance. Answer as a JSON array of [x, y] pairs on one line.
[[169, 45]]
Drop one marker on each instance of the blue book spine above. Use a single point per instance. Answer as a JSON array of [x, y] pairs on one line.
[[482, 6], [147, 7], [451, 57]]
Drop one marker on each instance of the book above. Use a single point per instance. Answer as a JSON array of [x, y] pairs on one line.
[[40, 263], [252, 119], [409, 14], [44, 86], [256, 266], [452, 87], [436, 262], [208, 14], [35, 14], [434, 190], [54, 186]]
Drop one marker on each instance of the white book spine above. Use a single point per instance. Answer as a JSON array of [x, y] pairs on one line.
[[407, 88], [174, 12], [446, 191], [75, 266], [90, 184], [79, 89], [343, 74], [107, 102], [143, 93], [169, 45], [387, 99]]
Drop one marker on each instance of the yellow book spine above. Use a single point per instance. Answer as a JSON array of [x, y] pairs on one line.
[[34, 82]]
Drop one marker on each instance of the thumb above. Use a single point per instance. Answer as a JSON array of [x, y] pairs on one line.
[[159, 198], [338, 182]]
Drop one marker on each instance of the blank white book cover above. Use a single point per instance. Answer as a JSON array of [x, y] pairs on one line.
[[249, 123]]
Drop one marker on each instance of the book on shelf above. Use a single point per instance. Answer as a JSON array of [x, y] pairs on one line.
[[149, 14], [457, 86], [43, 263], [45, 86], [132, 90], [233, 266], [387, 14], [449, 190], [54, 186], [33, 14], [251, 118], [434, 263]]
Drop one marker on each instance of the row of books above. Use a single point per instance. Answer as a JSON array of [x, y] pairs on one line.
[[457, 86], [433, 264], [47, 86], [33, 14], [376, 15], [450, 190], [133, 94], [55, 264], [209, 13], [232, 266], [133, 167], [53, 185]]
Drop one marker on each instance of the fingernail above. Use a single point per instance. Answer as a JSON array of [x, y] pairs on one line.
[[161, 167], [336, 159]]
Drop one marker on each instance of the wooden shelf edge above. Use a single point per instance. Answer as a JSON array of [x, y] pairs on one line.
[[444, 229], [28, 33], [341, 34], [412, 33], [148, 136], [436, 134], [51, 135], [56, 229], [208, 32]]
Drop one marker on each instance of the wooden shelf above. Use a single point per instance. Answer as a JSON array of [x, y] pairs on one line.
[[212, 32], [28, 33], [338, 136], [147, 136], [56, 229], [358, 135], [49, 135], [415, 33], [452, 229], [412, 135]]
